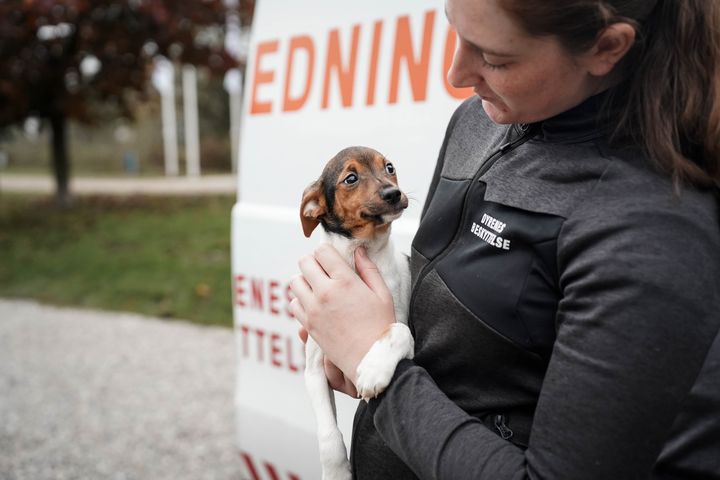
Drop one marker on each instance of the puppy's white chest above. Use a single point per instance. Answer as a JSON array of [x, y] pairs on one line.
[[396, 273]]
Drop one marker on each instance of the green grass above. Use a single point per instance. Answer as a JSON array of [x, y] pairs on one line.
[[167, 257]]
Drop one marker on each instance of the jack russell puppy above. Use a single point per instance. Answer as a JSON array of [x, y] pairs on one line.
[[355, 200]]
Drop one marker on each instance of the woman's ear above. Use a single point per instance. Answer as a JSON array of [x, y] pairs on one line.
[[612, 44]]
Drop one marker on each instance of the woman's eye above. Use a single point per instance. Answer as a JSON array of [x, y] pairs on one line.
[[350, 179], [493, 66], [390, 169]]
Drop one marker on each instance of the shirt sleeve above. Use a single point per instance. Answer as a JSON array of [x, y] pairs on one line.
[[639, 311]]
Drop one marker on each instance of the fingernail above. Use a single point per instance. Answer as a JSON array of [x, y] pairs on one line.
[[362, 252]]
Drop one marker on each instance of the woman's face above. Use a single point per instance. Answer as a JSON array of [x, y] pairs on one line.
[[520, 79]]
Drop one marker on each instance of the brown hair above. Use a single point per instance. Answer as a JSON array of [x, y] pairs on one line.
[[669, 100]]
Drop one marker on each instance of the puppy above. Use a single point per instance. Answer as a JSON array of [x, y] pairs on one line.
[[356, 199]]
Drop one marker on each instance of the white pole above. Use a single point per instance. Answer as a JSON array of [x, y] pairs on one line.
[[169, 129], [190, 114], [164, 81], [235, 112], [233, 85]]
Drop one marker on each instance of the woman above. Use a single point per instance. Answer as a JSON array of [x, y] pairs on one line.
[[566, 272]]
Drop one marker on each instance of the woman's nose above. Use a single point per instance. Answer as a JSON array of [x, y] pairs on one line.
[[461, 73]]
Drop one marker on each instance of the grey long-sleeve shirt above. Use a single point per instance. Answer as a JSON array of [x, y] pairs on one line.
[[565, 303]]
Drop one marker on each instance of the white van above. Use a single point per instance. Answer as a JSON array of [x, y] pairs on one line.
[[323, 75]]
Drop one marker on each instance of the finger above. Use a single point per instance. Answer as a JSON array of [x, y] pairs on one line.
[[301, 289], [332, 262], [314, 274], [370, 274], [303, 334], [298, 312]]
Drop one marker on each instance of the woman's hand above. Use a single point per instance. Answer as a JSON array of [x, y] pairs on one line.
[[343, 311], [336, 378]]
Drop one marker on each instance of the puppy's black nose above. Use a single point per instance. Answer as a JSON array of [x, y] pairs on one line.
[[391, 195]]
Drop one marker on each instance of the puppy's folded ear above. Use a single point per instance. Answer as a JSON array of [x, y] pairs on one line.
[[312, 207]]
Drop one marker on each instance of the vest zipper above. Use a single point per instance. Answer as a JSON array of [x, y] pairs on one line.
[[528, 131], [504, 430]]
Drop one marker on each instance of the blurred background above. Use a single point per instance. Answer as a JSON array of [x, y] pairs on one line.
[[119, 122], [96, 98], [120, 139]]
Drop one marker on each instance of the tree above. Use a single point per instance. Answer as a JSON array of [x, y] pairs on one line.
[[87, 59]]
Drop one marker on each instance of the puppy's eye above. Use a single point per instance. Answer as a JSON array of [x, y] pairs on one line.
[[350, 179], [389, 168]]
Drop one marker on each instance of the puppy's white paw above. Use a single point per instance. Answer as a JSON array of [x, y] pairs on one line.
[[378, 365]]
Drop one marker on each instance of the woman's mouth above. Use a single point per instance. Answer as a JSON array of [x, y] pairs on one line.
[[483, 97]]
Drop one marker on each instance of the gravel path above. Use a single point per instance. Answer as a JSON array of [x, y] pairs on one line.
[[97, 395]]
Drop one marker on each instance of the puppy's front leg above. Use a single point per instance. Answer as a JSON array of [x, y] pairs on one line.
[[333, 454], [378, 365]]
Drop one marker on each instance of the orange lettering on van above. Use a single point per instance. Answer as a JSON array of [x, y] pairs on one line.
[[257, 287], [450, 43], [260, 335], [261, 77], [302, 42], [274, 297], [275, 350], [345, 74], [374, 55], [417, 69], [271, 470], [250, 465], [288, 298], [240, 290], [271, 348], [245, 331]]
